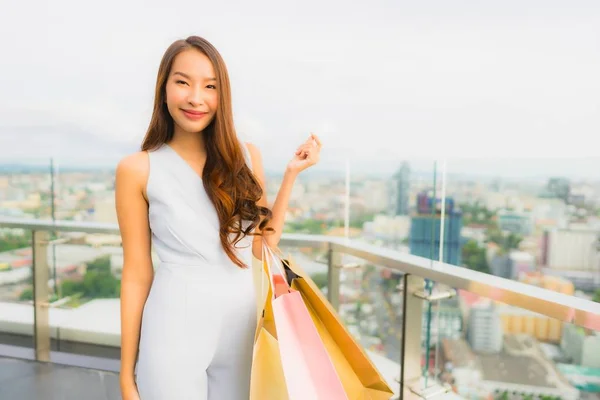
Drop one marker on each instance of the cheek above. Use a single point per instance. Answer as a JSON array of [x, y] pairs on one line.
[[174, 96], [213, 101]]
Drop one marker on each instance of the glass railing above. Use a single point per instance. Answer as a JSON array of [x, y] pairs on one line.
[[16, 287], [519, 231], [483, 348]]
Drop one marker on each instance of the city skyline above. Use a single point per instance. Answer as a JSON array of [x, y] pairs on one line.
[[578, 169]]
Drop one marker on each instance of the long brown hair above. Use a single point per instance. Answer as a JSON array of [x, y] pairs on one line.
[[229, 183]]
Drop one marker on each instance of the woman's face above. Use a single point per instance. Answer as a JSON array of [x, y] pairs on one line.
[[191, 91]]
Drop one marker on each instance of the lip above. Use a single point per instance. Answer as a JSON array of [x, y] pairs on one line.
[[194, 115]]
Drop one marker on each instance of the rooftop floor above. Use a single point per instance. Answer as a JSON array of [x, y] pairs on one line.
[[30, 380]]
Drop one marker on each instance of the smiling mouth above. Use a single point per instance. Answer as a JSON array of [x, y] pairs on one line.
[[195, 115]]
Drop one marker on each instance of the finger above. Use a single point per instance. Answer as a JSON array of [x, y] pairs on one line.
[[317, 140], [308, 146], [303, 148]]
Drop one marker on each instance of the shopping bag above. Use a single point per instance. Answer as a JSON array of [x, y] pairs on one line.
[[290, 359], [358, 374]]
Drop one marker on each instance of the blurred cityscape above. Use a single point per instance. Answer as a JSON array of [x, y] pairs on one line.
[[542, 232]]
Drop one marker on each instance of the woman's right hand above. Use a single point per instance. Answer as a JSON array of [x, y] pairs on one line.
[[130, 392]]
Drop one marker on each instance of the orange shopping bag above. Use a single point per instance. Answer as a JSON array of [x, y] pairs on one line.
[[358, 374], [290, 359]]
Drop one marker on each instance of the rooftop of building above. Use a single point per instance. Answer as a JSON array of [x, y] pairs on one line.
[[521, 362]]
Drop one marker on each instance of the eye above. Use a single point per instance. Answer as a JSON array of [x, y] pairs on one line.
[[181, 82], [211, 87]]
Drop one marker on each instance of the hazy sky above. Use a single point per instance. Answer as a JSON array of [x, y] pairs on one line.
[[379, 81]]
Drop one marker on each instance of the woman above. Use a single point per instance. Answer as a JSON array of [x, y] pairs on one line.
[[196, 194]]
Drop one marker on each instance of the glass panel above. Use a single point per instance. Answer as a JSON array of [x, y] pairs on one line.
[[371, 308], [310, 211], [398, 211], [487, 349], [25, 188], [84, 313], [312, 259], [16, 288], [84, 190], [518, 225]]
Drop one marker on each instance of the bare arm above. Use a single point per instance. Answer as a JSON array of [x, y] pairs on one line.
[[279, 207], [132, 213], [306, 156]]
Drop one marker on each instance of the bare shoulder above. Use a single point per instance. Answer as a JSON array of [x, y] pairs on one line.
[[134, 169]]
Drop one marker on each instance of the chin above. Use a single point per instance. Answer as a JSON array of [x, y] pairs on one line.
[[192, 128]]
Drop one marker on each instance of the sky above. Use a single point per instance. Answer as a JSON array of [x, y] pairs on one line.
[[505, 87]]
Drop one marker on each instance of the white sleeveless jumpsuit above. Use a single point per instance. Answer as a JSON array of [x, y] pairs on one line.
[[200, 316]]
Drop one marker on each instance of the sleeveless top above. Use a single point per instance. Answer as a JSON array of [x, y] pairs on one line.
[[183, 220]]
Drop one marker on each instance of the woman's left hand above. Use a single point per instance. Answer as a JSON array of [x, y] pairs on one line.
[[306, 155]]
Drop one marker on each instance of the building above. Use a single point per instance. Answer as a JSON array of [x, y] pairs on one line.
[[374, 195], [585, 379], [520, 369], [573, 254], [517, 321], [446, 322], [484, 331], [425, 230], [509, 265], [549, 282], [105, 209], [571, 249], [390, 229], [557, 188], [581, 345], [521, 263], [520, 223], [402, 180]]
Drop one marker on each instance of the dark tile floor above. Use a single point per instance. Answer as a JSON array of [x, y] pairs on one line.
[[30, 380]]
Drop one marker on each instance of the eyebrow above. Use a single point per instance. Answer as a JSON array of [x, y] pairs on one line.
[[188, 77]]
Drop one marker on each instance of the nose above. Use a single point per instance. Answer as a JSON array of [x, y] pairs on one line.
[[196, 96]]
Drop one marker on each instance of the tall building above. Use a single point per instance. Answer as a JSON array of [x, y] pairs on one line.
[[557, 188], [572, 254], [425, 230], [402, 181], [485, 331], [581, 345], [520, 223]]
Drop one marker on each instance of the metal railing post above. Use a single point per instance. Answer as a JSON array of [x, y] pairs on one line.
[[334, 263], [41, 326], [410, 353]]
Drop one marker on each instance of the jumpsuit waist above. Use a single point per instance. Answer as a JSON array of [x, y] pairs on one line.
[[200, 272]]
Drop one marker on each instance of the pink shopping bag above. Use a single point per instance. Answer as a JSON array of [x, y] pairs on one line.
[[307, 367]]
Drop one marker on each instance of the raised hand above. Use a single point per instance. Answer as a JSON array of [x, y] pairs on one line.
[[307, 155]]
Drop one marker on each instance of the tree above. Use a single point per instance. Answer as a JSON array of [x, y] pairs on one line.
[[308, 226], [597, 296], [26, 294], [320, 279], [100, 284], [101, 264], [512, 241], [98, 281], [506, 242], [474, 257], [12, 242], [70, 288], [477, 214]]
